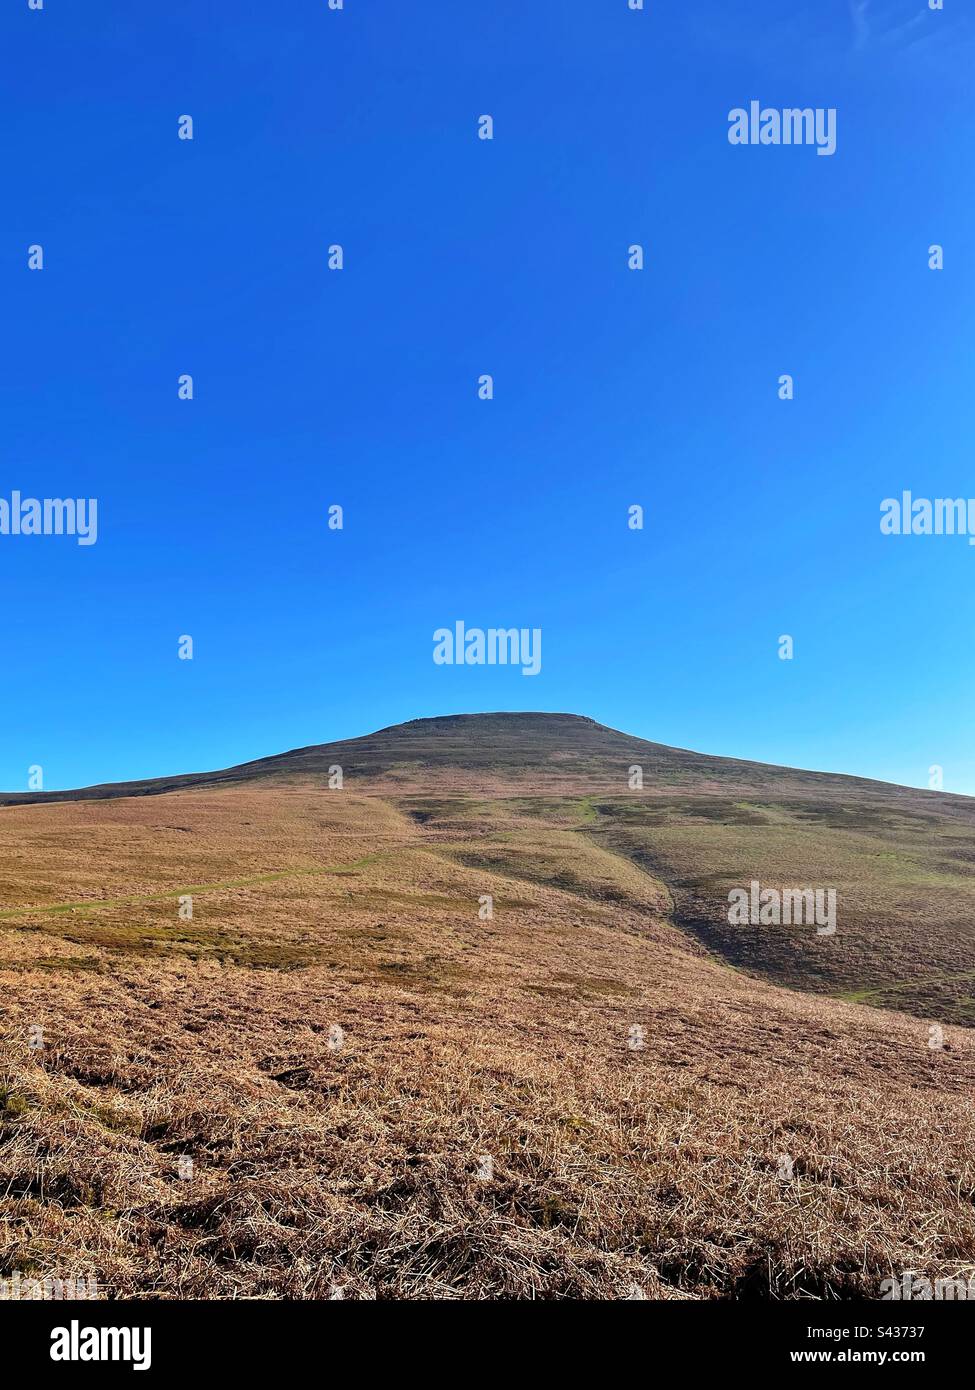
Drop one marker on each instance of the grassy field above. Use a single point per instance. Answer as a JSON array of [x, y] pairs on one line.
[[342, 1074]]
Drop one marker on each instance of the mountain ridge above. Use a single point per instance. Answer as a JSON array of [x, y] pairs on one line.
[[514, 746]]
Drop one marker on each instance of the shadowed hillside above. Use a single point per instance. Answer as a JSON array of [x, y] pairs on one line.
[[489, 752]]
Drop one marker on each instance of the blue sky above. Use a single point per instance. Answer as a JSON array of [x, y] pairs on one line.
[[462, 257]]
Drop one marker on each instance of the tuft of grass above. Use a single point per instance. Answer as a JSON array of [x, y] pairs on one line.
[[13, 1106]]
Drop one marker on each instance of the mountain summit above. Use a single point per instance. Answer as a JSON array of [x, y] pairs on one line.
[[510, 751]]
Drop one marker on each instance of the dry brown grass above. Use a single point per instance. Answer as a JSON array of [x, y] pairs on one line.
[[313, 1168]]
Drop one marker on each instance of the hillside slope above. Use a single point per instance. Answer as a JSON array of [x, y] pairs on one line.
[[494, 752], [901, 861], [418, 1039]]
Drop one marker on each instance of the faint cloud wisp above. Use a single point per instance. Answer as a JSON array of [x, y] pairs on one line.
[[861, 25]]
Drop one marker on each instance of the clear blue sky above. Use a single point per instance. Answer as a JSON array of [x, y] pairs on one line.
[[509, 257]]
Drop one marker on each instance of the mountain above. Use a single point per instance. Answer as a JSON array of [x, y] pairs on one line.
[[481, 1023], [901, 861], [495, 751]]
